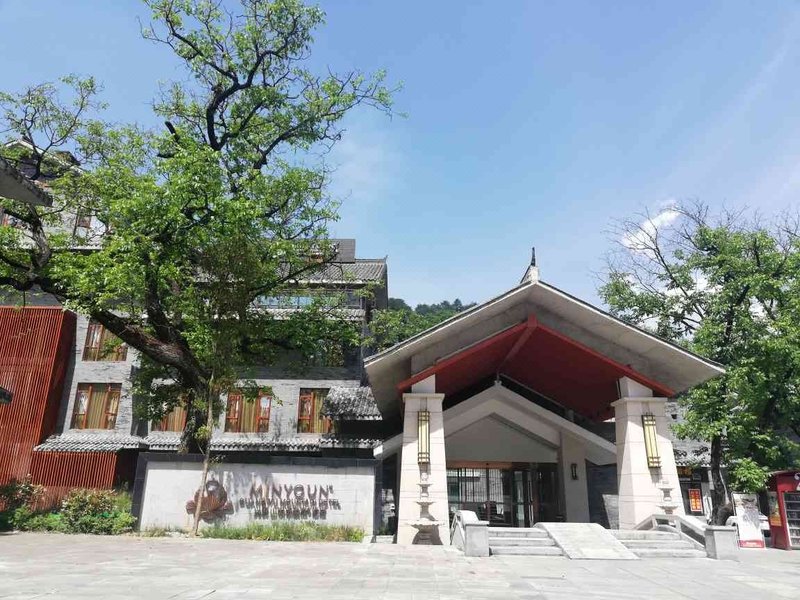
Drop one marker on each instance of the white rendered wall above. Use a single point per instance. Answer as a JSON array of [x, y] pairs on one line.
[[169, 485], [490, 439], [576, 494]]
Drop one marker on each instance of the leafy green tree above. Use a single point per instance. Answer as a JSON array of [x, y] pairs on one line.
[[191, 226], [399, 322], [725, 287]]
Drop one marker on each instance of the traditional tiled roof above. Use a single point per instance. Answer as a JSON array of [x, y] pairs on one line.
[[687, 452], [350, 314], [691, 453], [255, 442], [363, 270], [351, 404], [348, 442], [162, 440], [85, 441]]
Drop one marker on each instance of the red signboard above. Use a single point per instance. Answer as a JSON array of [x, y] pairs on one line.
[[695, 500]]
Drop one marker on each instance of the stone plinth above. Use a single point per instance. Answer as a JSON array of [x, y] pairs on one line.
[[721, 543]]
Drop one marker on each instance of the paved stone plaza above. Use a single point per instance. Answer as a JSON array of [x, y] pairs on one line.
[[71, 567]]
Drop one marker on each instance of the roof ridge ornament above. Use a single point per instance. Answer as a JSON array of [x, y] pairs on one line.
[[532, 273]]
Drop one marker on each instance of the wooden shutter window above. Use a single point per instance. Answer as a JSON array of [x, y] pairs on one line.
[[233, 413], [264, 406], [101, 344], [309, 417], [174, 420], [96, 406]]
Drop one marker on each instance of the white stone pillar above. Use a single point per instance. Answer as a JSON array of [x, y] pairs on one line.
[[412, 474], [641, 488]]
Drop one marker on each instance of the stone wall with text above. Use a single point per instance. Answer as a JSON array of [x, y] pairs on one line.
[[239, 493]]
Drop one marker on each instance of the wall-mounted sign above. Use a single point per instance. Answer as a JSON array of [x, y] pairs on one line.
[[214, 504], [290, 502], [239, 493], [695, 500]]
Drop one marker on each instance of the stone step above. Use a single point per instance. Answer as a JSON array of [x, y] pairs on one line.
[[525, 550], [629, 534], [517, 532], [667, 543], [668, 553], [510, 541]]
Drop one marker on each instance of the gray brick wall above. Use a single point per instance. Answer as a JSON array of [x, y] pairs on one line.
[[285, 384], [82, 371], [283, 415], [601, 483]]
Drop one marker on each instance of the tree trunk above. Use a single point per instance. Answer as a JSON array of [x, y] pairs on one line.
[[719, 496], [195, 418], [201, 493]]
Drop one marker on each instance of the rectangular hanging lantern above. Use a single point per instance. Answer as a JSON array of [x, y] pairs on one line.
[[651, 441], [424, 440]]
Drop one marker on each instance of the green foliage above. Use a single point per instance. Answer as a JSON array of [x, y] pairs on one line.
[[82, 511], [19, 493], [399, 322], [747, 475], [286, 531], [47, 521], [726, 288], [192, 225], [97, 511]]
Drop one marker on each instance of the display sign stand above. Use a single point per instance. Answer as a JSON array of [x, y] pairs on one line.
[[748, 520]]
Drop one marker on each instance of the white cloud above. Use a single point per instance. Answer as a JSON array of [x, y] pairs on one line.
[[640, 240]]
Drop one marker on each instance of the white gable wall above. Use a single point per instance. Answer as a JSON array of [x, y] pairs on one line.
[[491, 439]]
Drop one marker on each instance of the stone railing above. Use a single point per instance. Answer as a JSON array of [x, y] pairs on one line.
[[469, 534], [718, 542]]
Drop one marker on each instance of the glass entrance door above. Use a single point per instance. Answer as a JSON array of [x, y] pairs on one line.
[[505, 495]]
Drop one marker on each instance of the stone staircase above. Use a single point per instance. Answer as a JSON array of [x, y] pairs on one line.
[[521, 541], [657, 544]]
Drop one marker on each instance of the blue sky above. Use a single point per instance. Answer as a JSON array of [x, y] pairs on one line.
[[528, 123]]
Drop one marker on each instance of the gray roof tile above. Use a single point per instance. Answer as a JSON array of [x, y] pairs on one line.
[[351, 404], [687, 452], [363, 270], [90, 441], [254, 442]]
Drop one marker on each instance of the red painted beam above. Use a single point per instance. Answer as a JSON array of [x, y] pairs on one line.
[[531, 325], [628, 371], [432, 370]]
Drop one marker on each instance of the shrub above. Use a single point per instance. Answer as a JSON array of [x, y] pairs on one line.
[[17, 499], [286, 531], [18, 493], [43, 522], [97, 511]]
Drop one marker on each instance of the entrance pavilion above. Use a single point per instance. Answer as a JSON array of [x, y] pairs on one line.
[[534, 406]]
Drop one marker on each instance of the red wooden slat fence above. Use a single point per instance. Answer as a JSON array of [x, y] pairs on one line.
[[59, 472], [35, 346]]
